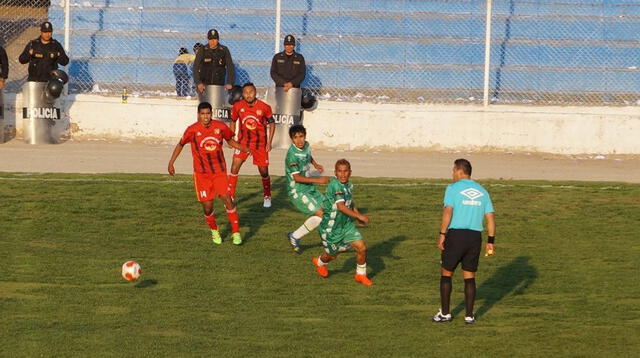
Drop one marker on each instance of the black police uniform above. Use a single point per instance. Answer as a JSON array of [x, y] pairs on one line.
[[45, 58], [288, 68], [212, 64], [4, 64]]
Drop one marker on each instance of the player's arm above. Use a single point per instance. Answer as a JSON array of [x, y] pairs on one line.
[[316, 180], [447, 212], [317, 165], [174, 156], [491, 229], [233, 144], [352, 213]]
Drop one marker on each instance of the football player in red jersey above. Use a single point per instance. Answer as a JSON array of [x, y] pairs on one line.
[[209, 168], [254, 119]]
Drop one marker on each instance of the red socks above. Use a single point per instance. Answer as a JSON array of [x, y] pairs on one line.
[[234, 220], [266, 186], [211, 221], [233, 181]]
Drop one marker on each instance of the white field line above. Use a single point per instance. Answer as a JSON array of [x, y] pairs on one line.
[[178, 181]]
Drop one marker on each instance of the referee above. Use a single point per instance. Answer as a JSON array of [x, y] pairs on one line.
[[466, 203]]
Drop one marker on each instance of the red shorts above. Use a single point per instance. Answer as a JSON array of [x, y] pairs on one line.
[[260, 156], [210, 186]]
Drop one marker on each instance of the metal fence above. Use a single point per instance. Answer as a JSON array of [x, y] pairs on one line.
[[583, 52]]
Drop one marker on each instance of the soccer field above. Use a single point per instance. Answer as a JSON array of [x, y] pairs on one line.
[[565, 280]]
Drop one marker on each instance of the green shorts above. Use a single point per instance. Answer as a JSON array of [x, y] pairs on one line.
[[308, 202], [337, 239]]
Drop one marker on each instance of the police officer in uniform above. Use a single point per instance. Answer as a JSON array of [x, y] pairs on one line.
[[287, 67], [43, 55], [4, 68], [466, 204], [213, 64]]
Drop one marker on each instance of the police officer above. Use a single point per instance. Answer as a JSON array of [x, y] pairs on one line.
[[43, 55], [466, 204], [287, 67], [4, 67], [213, 62]]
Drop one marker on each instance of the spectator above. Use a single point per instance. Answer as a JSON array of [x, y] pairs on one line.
[[181, 72]]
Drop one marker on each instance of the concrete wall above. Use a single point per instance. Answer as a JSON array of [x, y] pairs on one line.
[[561, 130]]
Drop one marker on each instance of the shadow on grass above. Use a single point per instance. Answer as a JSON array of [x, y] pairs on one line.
[[375, 256], [146, 283], [512, 278]]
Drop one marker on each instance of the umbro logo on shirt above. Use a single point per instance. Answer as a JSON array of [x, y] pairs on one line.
[[472, 194]]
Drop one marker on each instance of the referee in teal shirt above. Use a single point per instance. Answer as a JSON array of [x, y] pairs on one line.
[[466, 204]]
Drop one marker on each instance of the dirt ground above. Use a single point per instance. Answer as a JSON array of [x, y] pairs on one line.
[[133, 157]]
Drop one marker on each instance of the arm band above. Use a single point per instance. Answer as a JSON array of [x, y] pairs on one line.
[[443, 233], [491, 239]]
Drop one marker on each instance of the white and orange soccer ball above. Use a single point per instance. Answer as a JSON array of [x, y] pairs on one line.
[[131, 271]]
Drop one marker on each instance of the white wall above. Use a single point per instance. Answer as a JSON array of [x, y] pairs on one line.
[[561, 130]]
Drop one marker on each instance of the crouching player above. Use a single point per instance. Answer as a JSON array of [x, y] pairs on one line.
[[301, 189], [209, 168], [337, 231]]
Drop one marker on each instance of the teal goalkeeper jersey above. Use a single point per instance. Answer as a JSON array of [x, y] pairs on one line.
[[298, 161], [337, 192], [470, 202]]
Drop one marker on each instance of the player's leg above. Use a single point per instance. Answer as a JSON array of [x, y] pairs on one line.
[[205, 195], [309, 204], [361, 262], [221, 185], [310, 224], [238, 159], [321, 262], [469, 267], [261, 160], [450, 259]]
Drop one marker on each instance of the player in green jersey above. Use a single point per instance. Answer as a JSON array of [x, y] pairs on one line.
[[301, 189], [337, 230]]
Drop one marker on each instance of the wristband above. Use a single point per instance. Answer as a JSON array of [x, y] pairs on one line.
[[443, 233], [491, 239]]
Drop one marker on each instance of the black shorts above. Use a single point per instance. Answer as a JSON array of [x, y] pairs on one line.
[[461, 246]]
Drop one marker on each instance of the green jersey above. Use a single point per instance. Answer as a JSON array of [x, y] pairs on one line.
[[298, 161], [336, 228]]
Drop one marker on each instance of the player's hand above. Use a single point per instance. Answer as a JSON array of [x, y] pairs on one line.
[[319, 168], [268, 147], [363, 219], [201, 87], [171, 169], [244, 149], [489, 250], [441, 242]]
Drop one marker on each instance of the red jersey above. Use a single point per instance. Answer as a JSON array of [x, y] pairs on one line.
[[206, 146], [253, 123]]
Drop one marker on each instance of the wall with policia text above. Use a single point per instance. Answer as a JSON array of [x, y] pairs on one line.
[[386, 127]]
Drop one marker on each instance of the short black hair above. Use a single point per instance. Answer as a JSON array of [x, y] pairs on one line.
[[297, 128], [204, 105], [463, 164], [183, 51], [247, 84], [343, 162]]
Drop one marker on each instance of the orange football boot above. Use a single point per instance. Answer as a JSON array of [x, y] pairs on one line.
[[322, 270]]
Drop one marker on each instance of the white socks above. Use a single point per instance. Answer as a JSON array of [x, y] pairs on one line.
[[320, 262], [309, 225], [361, 269]]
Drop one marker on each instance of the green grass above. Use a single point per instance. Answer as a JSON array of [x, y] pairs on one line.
[[564, 282]]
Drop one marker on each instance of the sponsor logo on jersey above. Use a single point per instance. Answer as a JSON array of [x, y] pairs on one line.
[[472, 194], [259, 112], [216, 131], [251, 123], [210, 144], [41, 113]]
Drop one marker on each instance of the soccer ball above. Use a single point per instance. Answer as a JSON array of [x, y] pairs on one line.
[[131, 271]]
